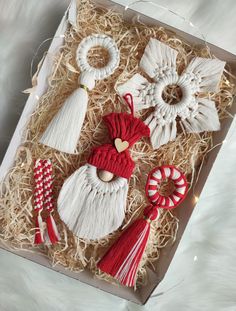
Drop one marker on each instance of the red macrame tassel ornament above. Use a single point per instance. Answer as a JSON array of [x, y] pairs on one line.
[[123, 258]]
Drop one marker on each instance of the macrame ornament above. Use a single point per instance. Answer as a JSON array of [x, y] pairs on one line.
[[197, 113], [45, 226], [92, 200], [64, 130], [123, 258]]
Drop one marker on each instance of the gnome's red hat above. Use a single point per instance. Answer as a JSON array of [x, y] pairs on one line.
[[124, 130]]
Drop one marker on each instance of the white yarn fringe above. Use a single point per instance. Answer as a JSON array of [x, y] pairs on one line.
[[90, 207], [157, 58], [136, 85], [160, 134], [208, 71], [206, 118], [64, 130]]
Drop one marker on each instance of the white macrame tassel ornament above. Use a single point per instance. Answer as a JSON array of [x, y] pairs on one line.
[[92, 200], [64, 130], [197, 114]]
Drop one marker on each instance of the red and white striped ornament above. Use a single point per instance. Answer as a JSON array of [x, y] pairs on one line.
[[38, 201], [123, 258], [156, 177], [44, 201], [49, 203]]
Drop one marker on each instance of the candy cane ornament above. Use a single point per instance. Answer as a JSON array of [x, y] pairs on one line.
[[38, 201], [46, 230], [64, 130], [123, 259], [49, 203]]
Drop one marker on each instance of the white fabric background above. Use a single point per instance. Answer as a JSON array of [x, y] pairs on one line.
[[202, 275]]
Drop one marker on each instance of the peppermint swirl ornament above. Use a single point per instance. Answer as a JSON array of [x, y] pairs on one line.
[[154, 181], [123, 258]]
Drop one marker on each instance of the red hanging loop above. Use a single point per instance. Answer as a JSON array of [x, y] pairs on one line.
[[129, 101]]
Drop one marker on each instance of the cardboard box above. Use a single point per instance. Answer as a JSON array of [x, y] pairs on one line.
[[141, 295]]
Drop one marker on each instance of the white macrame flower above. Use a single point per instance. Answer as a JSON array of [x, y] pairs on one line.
[[197, 114]]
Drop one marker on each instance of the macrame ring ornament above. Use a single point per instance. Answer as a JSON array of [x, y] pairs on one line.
[[64, 129], [169, 112], [123, 259], [156, 177], [94, 41]]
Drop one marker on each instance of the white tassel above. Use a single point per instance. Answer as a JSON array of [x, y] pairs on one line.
[[160, 132], [205, 119], [208, 71], [64, 130], [158, 58], [90, 207]]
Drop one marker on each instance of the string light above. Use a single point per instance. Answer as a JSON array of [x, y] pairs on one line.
[[196, 198], [187, 21], [195, 258]]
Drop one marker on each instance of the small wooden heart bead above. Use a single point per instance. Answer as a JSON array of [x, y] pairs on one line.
[[121, 145]]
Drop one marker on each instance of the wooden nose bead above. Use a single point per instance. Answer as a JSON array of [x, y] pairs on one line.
[[105, 175]]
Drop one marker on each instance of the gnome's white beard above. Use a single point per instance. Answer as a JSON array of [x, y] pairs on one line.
[[90, 207]]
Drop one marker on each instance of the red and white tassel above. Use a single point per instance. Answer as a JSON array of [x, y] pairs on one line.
[[123, 258], [38, 201]]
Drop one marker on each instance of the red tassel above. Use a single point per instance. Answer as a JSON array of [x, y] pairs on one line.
[[38, 238], [52, 230], [126, 126], [123, 258]]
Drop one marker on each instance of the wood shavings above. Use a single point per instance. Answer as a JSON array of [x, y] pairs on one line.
[[186, 152]]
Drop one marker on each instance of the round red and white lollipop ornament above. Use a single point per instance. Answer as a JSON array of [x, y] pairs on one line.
[[156, 177], [122, 260]]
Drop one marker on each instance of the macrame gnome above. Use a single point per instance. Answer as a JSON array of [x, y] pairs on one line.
[[197, 113], [64, 130], [92, 201], [123, 258]]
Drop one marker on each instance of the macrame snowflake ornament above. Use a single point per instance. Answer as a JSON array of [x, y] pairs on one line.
[[197, 113]]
